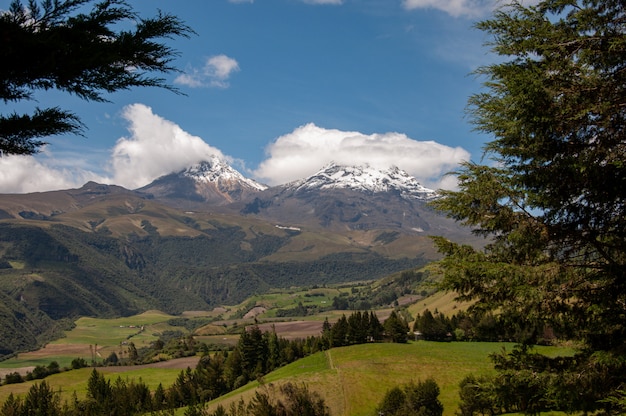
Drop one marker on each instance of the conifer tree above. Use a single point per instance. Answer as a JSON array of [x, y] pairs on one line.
[[551, 196], [54, 45]]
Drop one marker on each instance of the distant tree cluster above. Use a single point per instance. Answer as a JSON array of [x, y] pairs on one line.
[[477, 325], [412, 399], [358, 328], [37, 373], [387, 293]]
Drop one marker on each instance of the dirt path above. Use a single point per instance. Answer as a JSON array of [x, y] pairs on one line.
[[331, 364]]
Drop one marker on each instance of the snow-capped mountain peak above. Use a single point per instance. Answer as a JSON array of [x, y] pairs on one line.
[[216, 170], [365, 178]]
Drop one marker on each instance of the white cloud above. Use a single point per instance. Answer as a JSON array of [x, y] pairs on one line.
[[456, 8], [24, 174], [308, 148], [155, 147], [215, 73], [462, 8]]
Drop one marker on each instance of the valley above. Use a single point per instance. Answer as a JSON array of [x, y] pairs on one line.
[[106, 251], [156, 277]]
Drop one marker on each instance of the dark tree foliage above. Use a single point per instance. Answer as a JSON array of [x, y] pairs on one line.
[[396, 328], [287, 400], [433, 327], [553, 201], [54, 45], [393, 402], [419, 399]]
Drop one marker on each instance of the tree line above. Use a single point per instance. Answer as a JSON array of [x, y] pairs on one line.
[[477, 325]]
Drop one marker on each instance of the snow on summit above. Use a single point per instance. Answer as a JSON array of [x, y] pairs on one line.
[[366, 178], [216, 170]]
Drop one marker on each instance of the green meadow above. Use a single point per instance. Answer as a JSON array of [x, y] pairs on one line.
[[353, 380], [68, 382]]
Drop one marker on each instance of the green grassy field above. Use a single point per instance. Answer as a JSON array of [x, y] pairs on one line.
[[353, 380], [109, 332], [95, 338], [69, 382]]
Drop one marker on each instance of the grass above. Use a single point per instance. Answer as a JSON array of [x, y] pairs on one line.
[[109, 332], [290, 298], [443, 302], [107, 335], [353, 380], [69, 382]]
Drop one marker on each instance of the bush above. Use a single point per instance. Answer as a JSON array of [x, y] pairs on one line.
[[13, 378], [419, 399], [78, 363]]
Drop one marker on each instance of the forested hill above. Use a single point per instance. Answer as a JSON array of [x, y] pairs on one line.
[[52, 273]]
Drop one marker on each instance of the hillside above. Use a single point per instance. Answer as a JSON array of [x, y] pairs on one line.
[[353, 380], [203, 237], [150, 257]]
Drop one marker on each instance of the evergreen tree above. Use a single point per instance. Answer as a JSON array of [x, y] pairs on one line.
[[375, 330], [273, 349], [357, 328], [54, 46], [553, 203], [396, 328], [41, 400], [432, 327], [159, 399], [12, 406], [98, 388], [326, 334], [339, 332]]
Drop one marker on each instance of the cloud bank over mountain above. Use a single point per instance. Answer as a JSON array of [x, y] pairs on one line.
[[309, 147], [156, 146]]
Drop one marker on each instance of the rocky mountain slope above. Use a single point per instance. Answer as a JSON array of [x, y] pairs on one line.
[[344, 198]]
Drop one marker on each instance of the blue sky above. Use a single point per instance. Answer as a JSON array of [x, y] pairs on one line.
[[280, 88]]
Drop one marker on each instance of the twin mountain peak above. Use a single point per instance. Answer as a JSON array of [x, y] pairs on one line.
[[216, 182], [336, 197]]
